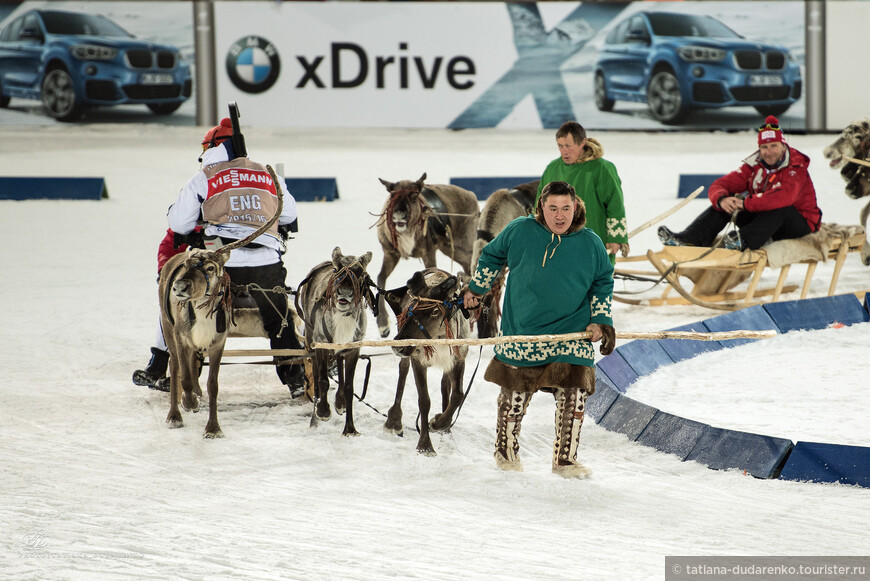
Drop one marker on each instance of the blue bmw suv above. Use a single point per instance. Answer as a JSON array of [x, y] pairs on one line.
[[73, 61], [679, 62]]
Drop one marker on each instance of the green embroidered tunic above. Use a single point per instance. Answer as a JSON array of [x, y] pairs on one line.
[[556, 284]]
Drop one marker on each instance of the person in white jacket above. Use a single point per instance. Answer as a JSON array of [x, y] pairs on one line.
[[233, 195]]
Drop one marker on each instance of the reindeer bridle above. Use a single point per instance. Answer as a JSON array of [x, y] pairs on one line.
[[219, 297], [360, 282], [396, 197], [445, 309]]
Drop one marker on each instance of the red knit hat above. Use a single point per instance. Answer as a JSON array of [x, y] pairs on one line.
[[216, 134], [770, 132]]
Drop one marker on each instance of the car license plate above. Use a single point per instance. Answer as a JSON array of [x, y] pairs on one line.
[[765, 80], [153, 79]]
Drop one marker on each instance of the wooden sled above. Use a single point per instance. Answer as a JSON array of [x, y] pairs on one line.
[[715, 272]]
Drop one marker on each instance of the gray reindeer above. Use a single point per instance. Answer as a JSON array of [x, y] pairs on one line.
[[332, 301]]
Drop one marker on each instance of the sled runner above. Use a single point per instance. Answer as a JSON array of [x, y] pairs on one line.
[[716, 272]]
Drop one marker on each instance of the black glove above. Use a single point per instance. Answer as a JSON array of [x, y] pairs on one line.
[[285, 229], [194, 239], [608, 342]]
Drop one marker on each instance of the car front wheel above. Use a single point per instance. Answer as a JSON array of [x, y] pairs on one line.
[[59, 96], [164, 108], [664, 99], [601, 100], [4, 101]]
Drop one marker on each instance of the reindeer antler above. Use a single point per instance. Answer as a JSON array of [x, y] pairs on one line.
[[247, 240]]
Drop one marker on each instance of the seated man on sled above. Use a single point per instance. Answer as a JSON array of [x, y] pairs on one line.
[[231, 207], [769, 197]]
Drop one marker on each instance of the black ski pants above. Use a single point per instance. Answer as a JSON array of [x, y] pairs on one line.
[[756, 228]]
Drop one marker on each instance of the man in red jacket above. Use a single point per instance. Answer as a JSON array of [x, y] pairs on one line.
[[770, 197]]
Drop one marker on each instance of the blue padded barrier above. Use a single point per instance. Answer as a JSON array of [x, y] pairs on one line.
[[750, 319], [627, 416], [483, 187], [644, 356], [761, 456], [618, 371], [815, 462], [601, 377], [817, 313], [312, 189], [599, 402], [672, 434], [41, 188], [689, 182], [680, 349]]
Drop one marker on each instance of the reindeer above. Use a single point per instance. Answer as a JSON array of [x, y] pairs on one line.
[[428, 308], [854, 142], [196, 313], [334, 296], [501, 207], [416, 221]]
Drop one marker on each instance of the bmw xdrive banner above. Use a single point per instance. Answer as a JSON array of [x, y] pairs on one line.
[[644, 65]]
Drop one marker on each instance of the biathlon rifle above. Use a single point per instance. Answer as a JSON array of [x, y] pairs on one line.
[[238, 138]]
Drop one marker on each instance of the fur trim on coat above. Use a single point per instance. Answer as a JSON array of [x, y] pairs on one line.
[[531, 379]]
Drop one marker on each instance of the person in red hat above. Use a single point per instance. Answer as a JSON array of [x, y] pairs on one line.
[[230, 197], [769, 197]]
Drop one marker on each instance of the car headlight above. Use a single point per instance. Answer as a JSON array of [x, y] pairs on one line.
[[93, 52], [698, 54]]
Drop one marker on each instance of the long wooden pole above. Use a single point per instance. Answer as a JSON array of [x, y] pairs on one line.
[[661, 217], [858, 161], [692, 335]]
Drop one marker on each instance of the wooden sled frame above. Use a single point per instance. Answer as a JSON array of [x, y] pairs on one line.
[[674, 262]]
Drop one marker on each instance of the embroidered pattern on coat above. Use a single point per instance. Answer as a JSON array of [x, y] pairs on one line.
[[617, 227], [534, 352], [484, 277], [600, 306]]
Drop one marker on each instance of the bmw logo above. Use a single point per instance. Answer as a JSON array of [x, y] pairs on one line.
[[253, 64]]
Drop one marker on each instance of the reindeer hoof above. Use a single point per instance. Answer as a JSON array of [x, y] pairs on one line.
[[440, 423], [190, 403], [213, 434], [174, 423], [322, 412], [350, 432], [426, 451], [394, 430], [340, 409]]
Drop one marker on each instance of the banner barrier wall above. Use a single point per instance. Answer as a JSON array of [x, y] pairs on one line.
[[486, 64]]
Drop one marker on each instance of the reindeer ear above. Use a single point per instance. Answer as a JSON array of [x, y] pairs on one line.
[[365, 259], [445, 288], [394, 299], [421, 180], [388, 185], [222, 258], [417, 283], [336, 257]]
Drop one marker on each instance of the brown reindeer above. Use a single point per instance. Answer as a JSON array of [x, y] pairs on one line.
[[196, 313], [418, 220], [501, 207], [333, 301], [854, 142], [428, 308]]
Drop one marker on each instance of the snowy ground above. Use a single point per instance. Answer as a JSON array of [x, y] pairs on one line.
[[95, 486]]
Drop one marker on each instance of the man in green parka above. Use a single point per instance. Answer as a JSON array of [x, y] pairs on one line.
[[560, 281], [580, 163]]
